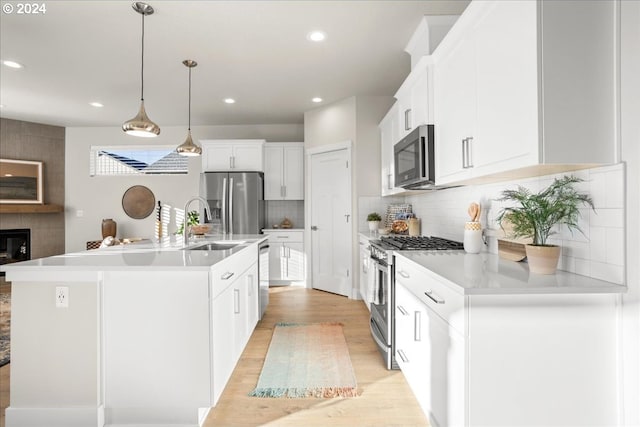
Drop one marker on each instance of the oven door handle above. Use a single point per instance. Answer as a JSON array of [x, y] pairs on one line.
[[375, 336]]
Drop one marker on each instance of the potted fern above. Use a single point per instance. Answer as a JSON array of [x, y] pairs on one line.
[[536, 214]]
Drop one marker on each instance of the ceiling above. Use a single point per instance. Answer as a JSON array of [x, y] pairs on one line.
[[256, 52]]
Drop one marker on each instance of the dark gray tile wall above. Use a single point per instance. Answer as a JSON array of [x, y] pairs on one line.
[[33, 141]]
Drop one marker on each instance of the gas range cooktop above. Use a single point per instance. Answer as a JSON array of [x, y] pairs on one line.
[[420, 243]]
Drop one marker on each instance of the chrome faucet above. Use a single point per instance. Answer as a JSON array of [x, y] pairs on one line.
[[207, 211]]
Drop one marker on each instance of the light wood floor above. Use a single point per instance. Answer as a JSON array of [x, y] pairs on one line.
[[385, 398]]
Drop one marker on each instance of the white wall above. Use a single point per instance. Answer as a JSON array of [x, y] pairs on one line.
[[100, 197], [369, 111], [353, 119], [630, 154], [598, 253]]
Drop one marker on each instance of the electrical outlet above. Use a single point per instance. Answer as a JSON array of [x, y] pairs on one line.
[[62, 297]]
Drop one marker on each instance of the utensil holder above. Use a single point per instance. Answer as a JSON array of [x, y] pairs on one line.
[[414, 227], [472, 237]]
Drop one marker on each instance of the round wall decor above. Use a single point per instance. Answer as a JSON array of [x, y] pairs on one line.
[[138, 202]]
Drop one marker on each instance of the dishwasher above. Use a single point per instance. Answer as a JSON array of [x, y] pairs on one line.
[[263, 276]]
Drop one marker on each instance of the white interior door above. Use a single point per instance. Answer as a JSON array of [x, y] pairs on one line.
[[331, 221]]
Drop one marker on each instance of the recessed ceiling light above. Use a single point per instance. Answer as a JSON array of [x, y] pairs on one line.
[[316, 99], [229, 100], [316, 36], [96, 104], [12, 64]]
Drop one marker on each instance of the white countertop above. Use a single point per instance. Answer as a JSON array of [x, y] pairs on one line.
[[488, 274], [168, 254]]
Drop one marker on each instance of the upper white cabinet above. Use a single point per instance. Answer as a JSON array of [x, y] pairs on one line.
[[388, 137], [284, 171], [232, 155], [525, 86], [414, 99]]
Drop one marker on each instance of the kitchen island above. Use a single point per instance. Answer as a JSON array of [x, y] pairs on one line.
[[483, 342], [145, 333]]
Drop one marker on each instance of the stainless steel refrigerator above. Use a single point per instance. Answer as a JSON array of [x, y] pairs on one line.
[[236, 200]]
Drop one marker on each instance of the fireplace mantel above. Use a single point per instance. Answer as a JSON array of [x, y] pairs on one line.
[[30, 208]]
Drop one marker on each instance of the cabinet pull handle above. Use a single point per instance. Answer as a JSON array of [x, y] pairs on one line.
[[227, 275], [283, 237], [389, 182], [249, 281], [231, 162], [403, 274], [284, 188], [469, 156], [236, 301], [402, 356], [417, 326], [407, 119], [464, 153], [402, 310], [434, 297]]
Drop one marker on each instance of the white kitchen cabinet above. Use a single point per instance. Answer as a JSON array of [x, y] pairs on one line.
[[284, 171], [365, 260], [388, 136], [505, 359], [414, 99], [232, 155], [286, 256], [235, 311], [517, 94], [429, 350]]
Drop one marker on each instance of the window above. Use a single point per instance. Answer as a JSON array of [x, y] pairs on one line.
[[136, 160]]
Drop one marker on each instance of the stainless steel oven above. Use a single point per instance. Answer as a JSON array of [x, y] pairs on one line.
[[382, 321]]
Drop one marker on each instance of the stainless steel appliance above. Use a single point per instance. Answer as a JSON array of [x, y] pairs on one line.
[[382, 321], [414, 159], [263, 275], [236, 200]]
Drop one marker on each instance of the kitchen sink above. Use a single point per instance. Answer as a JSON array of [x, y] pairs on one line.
[[215, 246]]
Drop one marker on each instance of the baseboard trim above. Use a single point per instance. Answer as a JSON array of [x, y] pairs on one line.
[[54, 417]]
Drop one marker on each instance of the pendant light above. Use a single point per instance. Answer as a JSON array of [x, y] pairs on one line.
[[188, 147], [141, 125]]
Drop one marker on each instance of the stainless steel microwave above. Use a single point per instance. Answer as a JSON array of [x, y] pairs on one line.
[[413, 158]]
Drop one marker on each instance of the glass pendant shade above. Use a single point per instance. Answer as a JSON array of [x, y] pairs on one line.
[[188, 147], [141, 125]]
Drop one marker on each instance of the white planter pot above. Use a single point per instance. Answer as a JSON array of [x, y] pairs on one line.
[[373, 225]]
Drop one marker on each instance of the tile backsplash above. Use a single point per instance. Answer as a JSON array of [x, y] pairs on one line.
[[277, 210], [598, 253]]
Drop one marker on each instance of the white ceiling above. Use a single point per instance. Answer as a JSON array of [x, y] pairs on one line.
[[254, 51]]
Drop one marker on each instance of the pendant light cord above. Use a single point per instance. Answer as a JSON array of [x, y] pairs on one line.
[[189, 98], [142, 67]]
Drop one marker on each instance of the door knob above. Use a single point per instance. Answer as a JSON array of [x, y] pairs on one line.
[[314, 228]]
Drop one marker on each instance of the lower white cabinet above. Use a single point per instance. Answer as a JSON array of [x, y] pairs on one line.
[[235, 311], [431, 355], [286, 256], [365, 261], [506, 359]]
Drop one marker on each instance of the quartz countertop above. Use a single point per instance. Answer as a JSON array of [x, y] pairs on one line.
[[488, 274], [167, 254]]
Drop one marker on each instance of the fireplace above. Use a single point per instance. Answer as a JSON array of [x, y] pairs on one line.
[[15, 246]]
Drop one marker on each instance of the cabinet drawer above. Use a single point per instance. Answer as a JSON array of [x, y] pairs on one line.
[[225, 273], [440, 298], [285, 236]]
